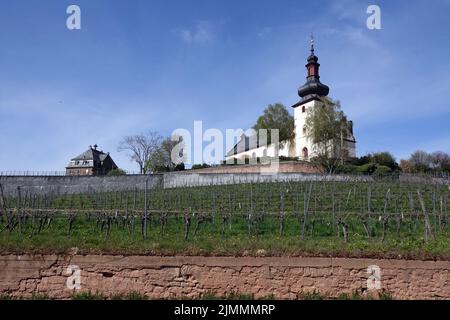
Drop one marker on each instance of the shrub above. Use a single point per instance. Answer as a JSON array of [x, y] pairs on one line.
[[368, 168], [379, 158], [116, 172], [200, 166], [346, 169], [382, 170], [180, 167], [283, 158], [384, 159], [159, 169], [88, 295]]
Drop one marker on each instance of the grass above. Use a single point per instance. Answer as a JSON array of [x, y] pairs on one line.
[[33, 297], [233, 296], [235, 242], [357, 295], [88, 295]]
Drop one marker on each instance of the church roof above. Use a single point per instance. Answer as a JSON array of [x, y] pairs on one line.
[[246, 143]]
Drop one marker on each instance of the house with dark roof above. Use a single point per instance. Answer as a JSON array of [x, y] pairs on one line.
[[90, 163]]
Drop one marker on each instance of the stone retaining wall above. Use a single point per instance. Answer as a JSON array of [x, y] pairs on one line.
[[76, 184], [175, 277], [82, 184], [190, 178]]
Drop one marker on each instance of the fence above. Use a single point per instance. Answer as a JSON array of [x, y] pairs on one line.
[[36, 173], [32, 173]]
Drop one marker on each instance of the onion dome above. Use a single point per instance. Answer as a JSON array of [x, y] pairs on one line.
[[313, 88]]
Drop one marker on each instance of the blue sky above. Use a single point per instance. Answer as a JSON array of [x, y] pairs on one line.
[[160, 65]]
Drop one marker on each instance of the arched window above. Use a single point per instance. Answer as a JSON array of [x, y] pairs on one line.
[[305, 153], [303, 109]]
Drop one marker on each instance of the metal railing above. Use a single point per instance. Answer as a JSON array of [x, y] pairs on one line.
[[34, 173], [27, 173]]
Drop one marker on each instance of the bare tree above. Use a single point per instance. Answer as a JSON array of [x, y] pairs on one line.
[[440, 160], [421, 161], [141, 147]]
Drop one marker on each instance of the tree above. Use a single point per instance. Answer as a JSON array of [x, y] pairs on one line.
[[161, 159], [421, 161], [384, 159], [379, 159], [327, 126], [141, 148], [406, 166], [276, 116], [440, 161]]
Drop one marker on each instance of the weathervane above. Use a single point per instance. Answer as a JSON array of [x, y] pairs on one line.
[[312, 44]]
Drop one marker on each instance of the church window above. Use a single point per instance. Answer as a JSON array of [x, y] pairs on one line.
[[305, 153], [303, 109]]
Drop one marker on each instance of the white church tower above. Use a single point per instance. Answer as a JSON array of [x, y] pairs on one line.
[[311, 93]]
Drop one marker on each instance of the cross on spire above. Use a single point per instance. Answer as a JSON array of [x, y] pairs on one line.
[[312, 44]]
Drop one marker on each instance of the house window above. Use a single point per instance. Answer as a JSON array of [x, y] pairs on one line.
[[305, 153]]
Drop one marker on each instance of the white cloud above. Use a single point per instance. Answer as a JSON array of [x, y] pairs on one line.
[[359, 36], [201, 33]]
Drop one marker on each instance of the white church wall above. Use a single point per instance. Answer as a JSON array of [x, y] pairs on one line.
[[301, 139], [286, 149]]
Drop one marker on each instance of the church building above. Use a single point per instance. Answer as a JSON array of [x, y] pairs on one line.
[[302, 148]]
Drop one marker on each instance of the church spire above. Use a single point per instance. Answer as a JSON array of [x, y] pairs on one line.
[[313, 88]]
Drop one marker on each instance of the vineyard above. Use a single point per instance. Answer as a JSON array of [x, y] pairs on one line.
[[320, 217]]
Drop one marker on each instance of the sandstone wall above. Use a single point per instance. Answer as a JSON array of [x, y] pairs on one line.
[[283, 166], [172, 277]]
